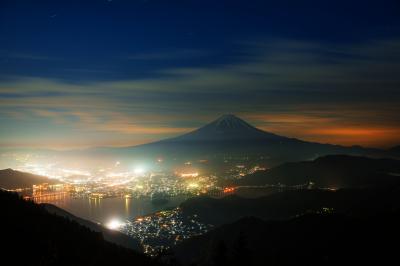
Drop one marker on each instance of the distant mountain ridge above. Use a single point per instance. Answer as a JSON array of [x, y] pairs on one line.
[[337, 171], [12, 179], [287, 204]]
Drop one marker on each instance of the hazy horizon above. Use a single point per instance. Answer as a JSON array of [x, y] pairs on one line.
[[188, 130]]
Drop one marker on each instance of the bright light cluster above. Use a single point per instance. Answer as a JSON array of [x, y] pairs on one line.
[[114, 224]]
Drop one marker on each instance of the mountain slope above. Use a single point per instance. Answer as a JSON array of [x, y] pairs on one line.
[[109, 235], [11, 179], [307, 240], [330, 171], [228, 128], [232, 136], [284, 205], [33, 236]]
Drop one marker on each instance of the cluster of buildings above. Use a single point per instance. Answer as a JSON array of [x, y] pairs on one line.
[[160, 231], [137, 185]]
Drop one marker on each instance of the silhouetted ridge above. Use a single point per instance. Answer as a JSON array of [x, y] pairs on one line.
[[12, 179], [336, 171], [32, 236], [113, 236], [311, 239], [283, 205]]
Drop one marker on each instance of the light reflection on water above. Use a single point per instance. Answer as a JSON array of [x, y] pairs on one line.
[[102, 210]]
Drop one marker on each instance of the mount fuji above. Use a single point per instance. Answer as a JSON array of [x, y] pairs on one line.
[[227, 128], [230, 136]]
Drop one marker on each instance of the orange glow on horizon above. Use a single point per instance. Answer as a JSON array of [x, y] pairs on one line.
[[348, 136], [368, 136], [333, 127]]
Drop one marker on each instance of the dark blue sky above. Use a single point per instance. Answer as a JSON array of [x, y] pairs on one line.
[[112, 69], [100, 36]]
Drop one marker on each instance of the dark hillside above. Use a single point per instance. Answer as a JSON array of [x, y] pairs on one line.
[[32, 236]]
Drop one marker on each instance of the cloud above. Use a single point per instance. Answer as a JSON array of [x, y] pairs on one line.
[[108, 122], [168, 55], [309, 90]]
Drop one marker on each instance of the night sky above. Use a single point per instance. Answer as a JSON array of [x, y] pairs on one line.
[[114, 73]]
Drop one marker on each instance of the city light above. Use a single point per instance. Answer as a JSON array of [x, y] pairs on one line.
[[164, 229], [229, 189], [193, 185], [190, 174], [139, 170], [140, 182], [114, 224]]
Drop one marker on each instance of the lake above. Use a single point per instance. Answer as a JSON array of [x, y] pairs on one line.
[[104, 210]]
